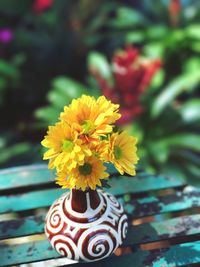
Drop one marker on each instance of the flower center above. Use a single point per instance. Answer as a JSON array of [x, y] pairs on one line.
[[67, 146], [87, 126], [85, 169], [117, 152]]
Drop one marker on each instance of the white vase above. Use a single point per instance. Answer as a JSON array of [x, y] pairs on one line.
[[86, 225]]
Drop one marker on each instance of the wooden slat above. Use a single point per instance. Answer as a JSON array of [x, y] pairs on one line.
[[30, 175], [149, 232], [150, 205], [39, 174], [30, 200], [27, 252], [178, 255], [22, 227], [137, 207], [140, 184], [25, 176], [184, 226]]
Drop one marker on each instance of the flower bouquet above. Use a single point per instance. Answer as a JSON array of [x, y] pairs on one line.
[[87, 224]]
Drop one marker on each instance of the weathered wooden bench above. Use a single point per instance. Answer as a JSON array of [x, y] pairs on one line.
[[163, 213]]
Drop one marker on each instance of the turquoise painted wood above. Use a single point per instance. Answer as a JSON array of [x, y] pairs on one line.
[[39, 174], [140, 184], [151, 205], [29, 200], [25, 176], [178, 255], [27, 252], [22, 227], [142, 196], [157, 231], [138, 207], [30, 175]]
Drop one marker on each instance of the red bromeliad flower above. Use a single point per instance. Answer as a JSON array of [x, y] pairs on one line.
[[132, 75], [41, 5]]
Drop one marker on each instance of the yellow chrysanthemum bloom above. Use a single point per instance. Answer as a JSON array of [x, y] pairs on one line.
[[100, 149], [87, 175], [123, 152], [93, 118], [65, 149], [83, 140]]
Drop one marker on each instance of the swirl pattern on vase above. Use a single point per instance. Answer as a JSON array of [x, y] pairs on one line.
[[88, 236]]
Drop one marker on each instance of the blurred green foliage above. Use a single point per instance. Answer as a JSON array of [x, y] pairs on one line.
[[62, 92], [45, 66], [168, 129]]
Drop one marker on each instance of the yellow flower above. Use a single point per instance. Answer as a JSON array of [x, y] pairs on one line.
[[83, 140], [87, 175], [65, 149], [123, 152], [92, 117], [63, 180], [100, 149]]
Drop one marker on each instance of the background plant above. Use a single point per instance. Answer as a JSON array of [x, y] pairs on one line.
[[44, 66]]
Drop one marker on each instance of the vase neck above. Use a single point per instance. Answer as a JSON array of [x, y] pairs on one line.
[[84, 200]]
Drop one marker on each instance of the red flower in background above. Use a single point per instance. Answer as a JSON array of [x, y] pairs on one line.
[[174, 11], [41, 5], [132, 75]]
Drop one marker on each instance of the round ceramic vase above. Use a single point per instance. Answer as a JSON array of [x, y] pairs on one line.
[[86, 226]]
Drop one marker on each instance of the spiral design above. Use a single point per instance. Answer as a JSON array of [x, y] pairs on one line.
[[80, 237], [55, 222], [123, 227], [99, 245], [65, 246], [115, 205]]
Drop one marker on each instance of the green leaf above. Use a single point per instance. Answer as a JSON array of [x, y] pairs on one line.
[[134, 37], [57, 99], [64, 91], [186, 140], [68, 87], [13, 151], [157, 80], [190, 111], [8, 70], [195, 46], [192, 64], [48, 114], [153, 50], [193, 31], [159, 151], [175, 88], [126, 17], [98, 63], [157, 32]]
